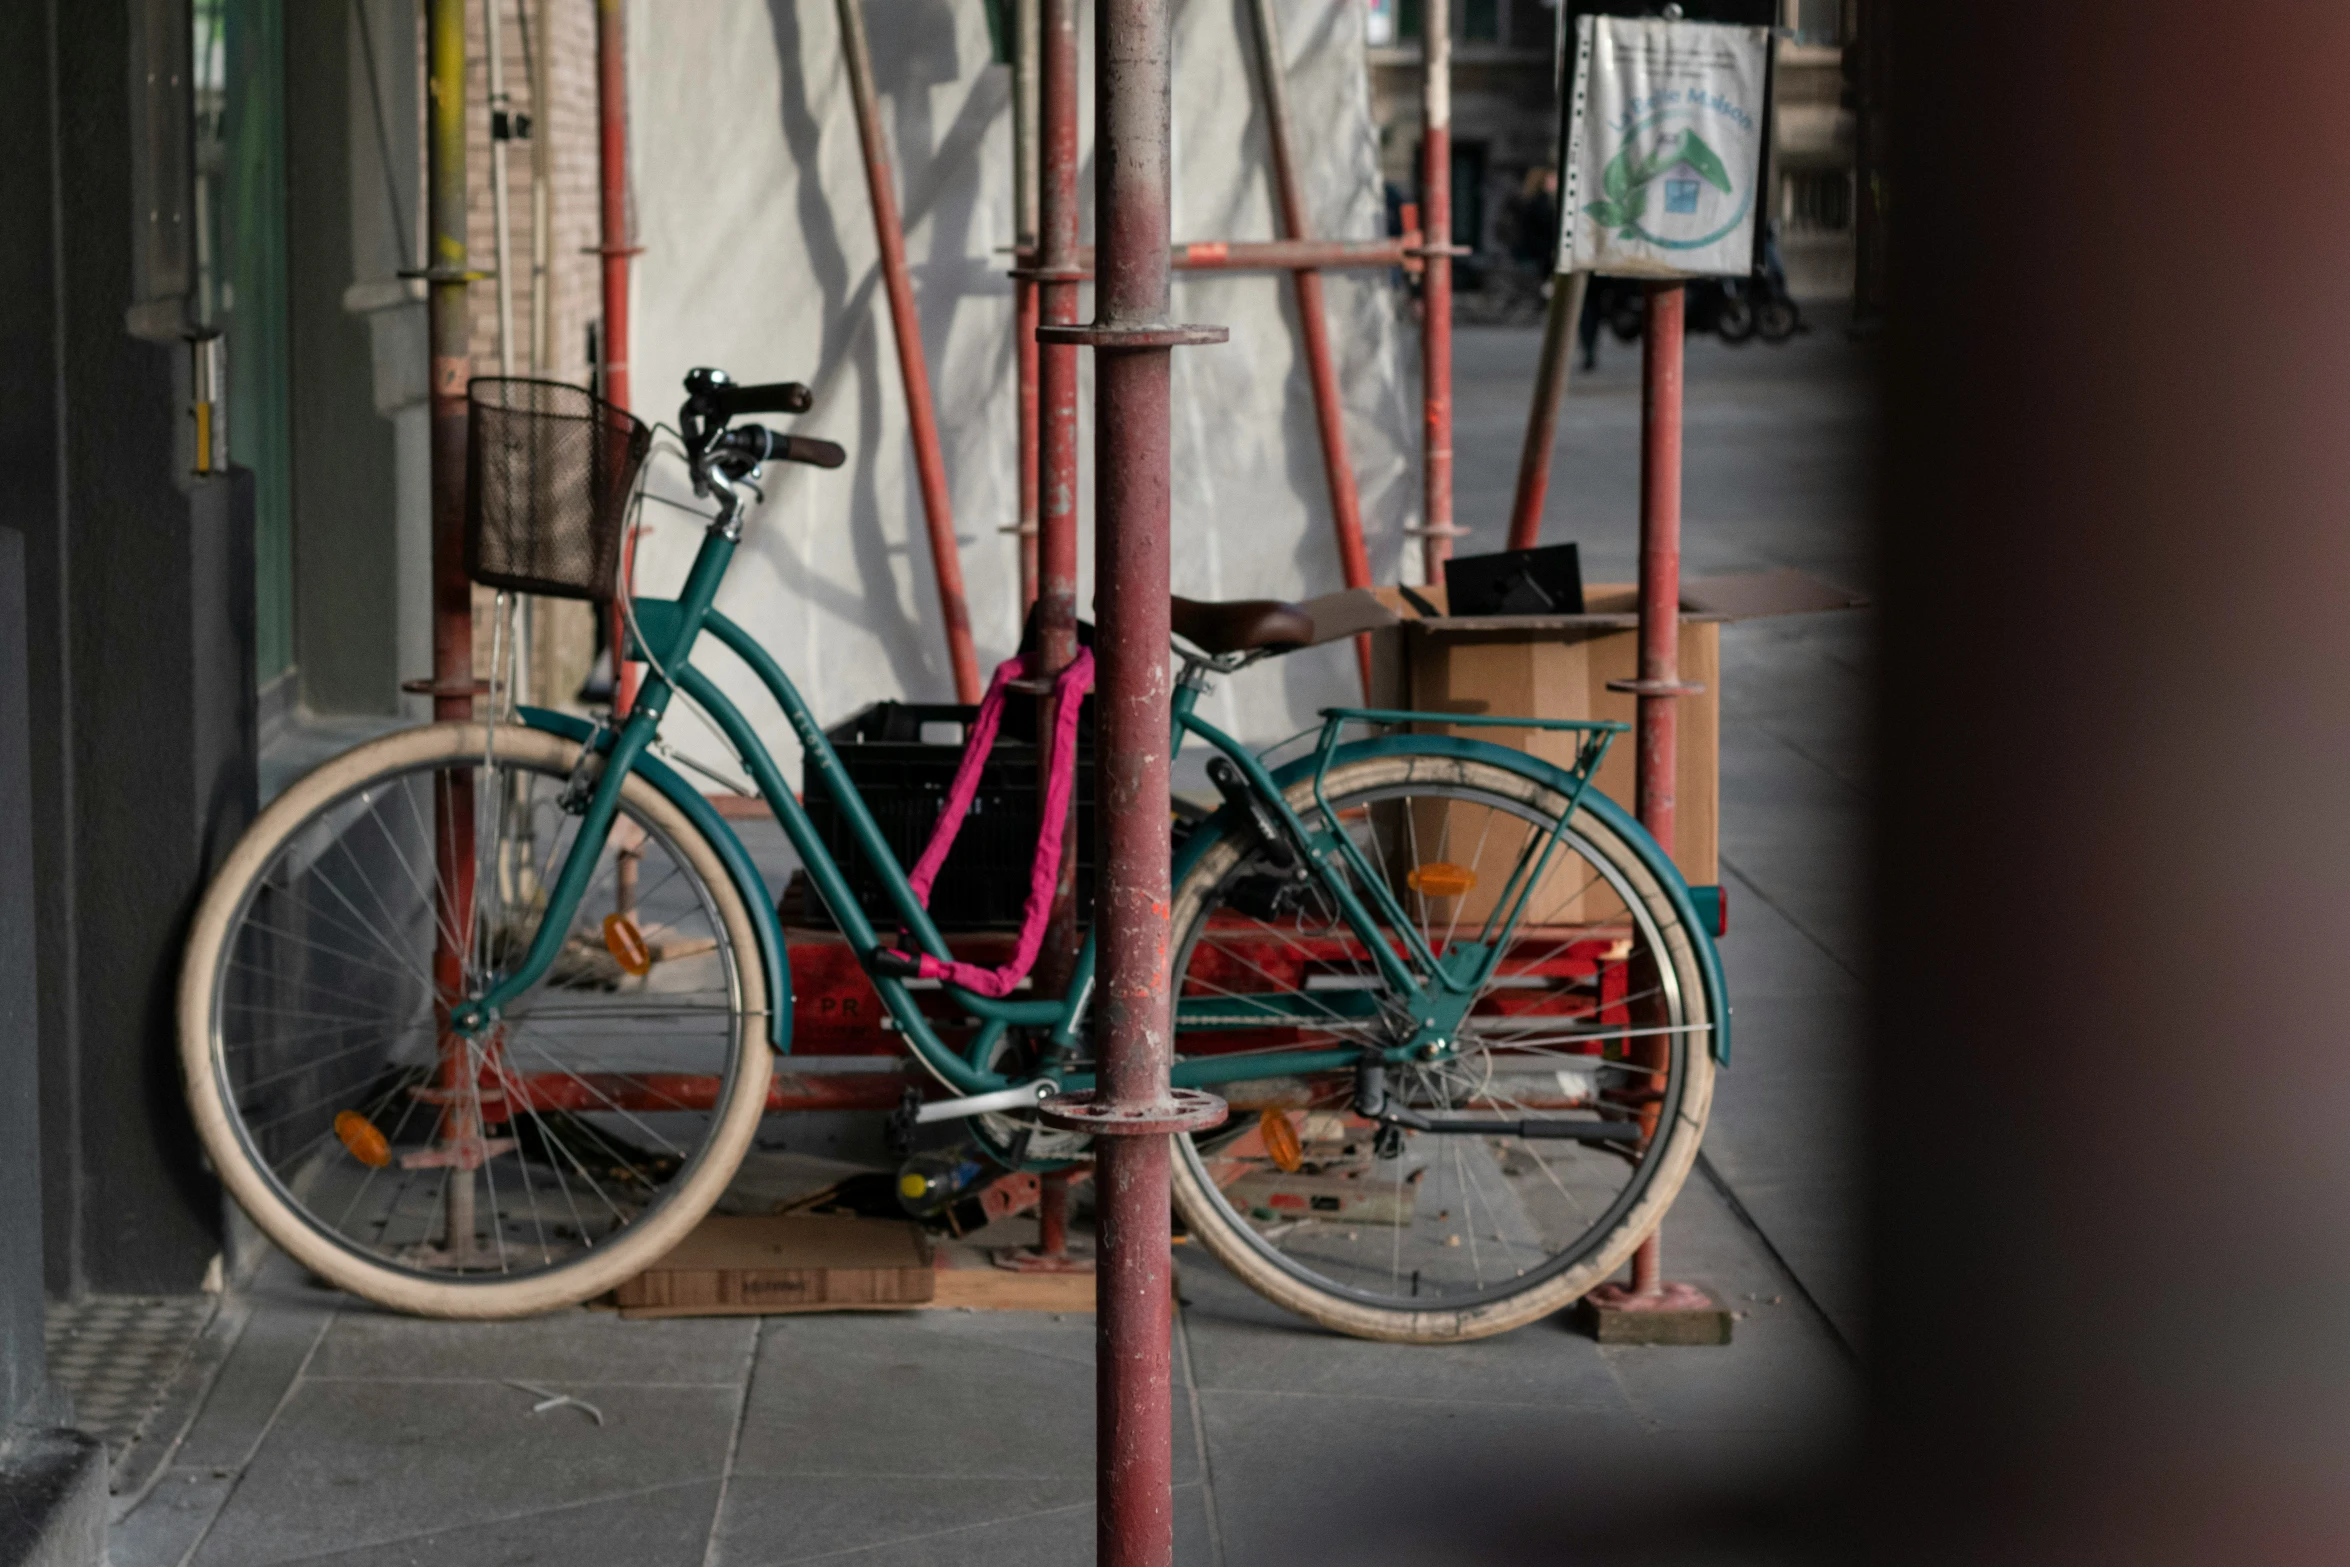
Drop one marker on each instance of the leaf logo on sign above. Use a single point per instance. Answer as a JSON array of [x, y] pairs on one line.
[[1630, 175]]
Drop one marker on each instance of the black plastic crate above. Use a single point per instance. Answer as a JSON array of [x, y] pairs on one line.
[[904, 782]]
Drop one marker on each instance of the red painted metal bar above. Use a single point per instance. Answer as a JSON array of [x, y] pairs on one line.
[[1026, 175], [1542, 416], [1056, 84], [655, 1092], [615, 249], [1026, 313], [1436, 294], [1133, 486], [930, 468], [1660, 611], [1051, 1253], [1660, 558], [1133, 1108], [1256, 255], [1052, 1214], [451, 330], [1284, 255], [1313, 317]]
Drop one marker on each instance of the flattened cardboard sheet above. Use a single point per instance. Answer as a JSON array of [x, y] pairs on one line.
[[760, 1266]]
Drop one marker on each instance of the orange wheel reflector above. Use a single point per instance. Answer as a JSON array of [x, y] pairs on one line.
[[627, 944], [1437, 879], [364, 1139], [1281, 1142]]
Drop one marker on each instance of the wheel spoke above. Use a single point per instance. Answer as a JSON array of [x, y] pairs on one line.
[[1473, 1216], [325, 1008]]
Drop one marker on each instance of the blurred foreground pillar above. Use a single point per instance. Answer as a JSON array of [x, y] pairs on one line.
[[2112, 1102]]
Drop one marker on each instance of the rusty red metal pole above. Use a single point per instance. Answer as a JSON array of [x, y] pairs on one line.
[[1660, 610], [930, 467], [1660, 557], [1026, 60], [1542, 415], [451, 329], [1052, 1214], [1026, 314], [1133, 1109], [1289, 255], [615, 249], [1056, 544], [1133, 484], [1436, 294], [1313, 319]]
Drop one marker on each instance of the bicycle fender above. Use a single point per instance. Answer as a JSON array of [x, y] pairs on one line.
[[1550, 776], [721, 837]]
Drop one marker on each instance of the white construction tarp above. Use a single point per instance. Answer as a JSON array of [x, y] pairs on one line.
[[760, 258]]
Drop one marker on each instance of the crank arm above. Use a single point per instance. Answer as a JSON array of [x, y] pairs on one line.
[[1027, 1096]]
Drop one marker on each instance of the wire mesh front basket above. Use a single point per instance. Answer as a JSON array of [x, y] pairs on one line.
[[548, 471]]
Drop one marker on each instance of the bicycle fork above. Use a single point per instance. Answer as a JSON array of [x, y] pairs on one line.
[[473, 1112]]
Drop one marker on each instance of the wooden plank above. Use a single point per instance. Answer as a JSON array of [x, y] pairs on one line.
[[990, 1288]]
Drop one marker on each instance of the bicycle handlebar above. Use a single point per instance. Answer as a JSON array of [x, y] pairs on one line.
[[761, 444], [713, 396], [774, 397]]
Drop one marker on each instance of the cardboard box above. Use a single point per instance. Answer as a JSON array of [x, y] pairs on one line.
[[1559, 666], [761, 1266]]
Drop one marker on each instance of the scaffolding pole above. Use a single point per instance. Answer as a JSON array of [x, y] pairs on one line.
[[1132, 1111], [930, 468], [447, 274], [1436, 526], [615, 250], [1542, 416], [1055, 276], [1313, 321]]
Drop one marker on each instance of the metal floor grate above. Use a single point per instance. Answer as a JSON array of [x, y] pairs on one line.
[[117, 1355]]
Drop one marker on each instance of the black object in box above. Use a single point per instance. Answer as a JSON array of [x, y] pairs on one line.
[[904, 780]]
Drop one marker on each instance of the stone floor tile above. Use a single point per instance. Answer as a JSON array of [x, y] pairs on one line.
[[562, 1347], [1329, 1478], [792, 1518], [1005, 1394], [250, 1386], [668, 1526], [350, 1463], [1239, 1341], [169, 1519]]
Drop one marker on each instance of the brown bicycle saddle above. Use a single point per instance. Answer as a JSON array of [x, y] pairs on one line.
[[1241, 625]]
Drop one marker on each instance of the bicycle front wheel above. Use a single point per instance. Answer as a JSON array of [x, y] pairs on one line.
[[544, 1162], [1555, 1122]]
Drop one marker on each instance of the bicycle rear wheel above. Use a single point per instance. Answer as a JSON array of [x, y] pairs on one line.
[[548, 1160], [1572, 1095]]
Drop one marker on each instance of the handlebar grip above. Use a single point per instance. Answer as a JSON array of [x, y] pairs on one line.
[[764, 445], [815, 453], [774, 397]]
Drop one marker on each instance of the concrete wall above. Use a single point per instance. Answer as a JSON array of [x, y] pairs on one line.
[[357, 335], [139, 590], [21, 1362]]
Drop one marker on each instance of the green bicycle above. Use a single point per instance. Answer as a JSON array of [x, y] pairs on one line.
[[479, 1019]]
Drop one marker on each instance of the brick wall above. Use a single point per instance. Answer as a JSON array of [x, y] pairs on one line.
[[567, 30]]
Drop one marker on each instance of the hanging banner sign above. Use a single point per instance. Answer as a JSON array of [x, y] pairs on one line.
[[1662, 165]]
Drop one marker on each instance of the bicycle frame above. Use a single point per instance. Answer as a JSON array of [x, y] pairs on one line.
[[1438, 985]]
